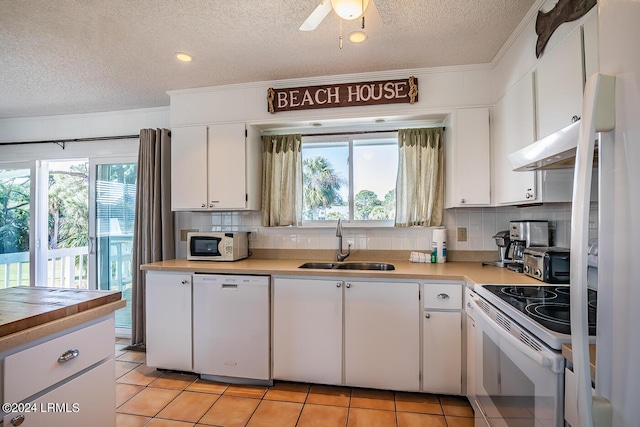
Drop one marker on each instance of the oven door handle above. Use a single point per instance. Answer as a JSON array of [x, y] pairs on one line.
[[532, 354]]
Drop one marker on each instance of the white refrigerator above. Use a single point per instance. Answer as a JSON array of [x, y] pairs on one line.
[[611, 112]]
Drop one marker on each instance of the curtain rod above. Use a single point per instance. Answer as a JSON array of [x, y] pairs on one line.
[[62, 142], [363, 132]]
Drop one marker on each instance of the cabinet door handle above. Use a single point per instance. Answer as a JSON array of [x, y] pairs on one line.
[[204, 205], [463, 201], [338, 284], [348, 285], [185, 282], [17, 420], [68, 355], [427, 316], [443, 296]]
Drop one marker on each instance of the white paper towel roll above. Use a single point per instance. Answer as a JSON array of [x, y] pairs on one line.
[[439, 238]]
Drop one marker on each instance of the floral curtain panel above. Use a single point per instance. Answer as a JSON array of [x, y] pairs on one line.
[[282, 180], [420, 183]]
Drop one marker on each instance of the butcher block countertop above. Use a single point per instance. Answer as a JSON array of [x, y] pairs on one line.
[[28, 313], [470, 272]]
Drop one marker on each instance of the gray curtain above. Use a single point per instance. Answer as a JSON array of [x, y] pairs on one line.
[[153, 238], [420, 183], [281, 180]]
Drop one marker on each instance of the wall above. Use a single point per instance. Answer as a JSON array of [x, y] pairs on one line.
[[112, 123], [440, 89], [481, 224]]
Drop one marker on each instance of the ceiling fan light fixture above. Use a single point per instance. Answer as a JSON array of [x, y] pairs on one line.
[[349, 9], [357, 36], [183, 57]]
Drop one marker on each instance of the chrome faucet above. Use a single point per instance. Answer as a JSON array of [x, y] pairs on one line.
[[341, 256]]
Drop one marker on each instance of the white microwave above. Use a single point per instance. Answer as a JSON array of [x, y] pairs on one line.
[[217, 246]]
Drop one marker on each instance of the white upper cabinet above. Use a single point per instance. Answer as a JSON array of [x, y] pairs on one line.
[[189, 168], [559, 84], [513, 129], [216, 167], [226, 159], [468, 159]]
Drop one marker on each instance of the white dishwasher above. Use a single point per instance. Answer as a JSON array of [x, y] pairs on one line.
[[231, 327]]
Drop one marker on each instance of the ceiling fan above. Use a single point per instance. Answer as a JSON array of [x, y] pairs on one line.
[[348, 10]]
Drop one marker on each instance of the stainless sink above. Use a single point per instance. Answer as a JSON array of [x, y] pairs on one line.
[[349, 266], [318, 265], [365, 266]]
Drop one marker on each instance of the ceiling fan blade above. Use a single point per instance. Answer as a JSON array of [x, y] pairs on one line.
[[316, 17]]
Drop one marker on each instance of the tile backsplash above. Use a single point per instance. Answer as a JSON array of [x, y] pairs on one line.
[[481, 225]]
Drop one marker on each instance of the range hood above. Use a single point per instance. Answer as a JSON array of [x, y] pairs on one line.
[[556, 151]]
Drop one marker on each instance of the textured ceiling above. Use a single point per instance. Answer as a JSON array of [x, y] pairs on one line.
[[81, 56]]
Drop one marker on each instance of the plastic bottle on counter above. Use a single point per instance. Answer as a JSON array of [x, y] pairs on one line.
[[443, 257], [434, 252], [439, 240]]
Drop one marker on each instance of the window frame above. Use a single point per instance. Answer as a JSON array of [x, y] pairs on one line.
[[349, 138]]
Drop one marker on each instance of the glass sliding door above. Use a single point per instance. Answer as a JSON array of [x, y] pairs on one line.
[[113, 200], [67, 228], [15, 225]]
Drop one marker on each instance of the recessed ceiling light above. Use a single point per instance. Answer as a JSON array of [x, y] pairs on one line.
[[357, 36], [184, 57], [380, 120], [316, 124]]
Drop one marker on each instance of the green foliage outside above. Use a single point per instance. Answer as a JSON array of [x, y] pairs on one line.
[[69, 207], [14, 214], [322, 191], [321, 187]]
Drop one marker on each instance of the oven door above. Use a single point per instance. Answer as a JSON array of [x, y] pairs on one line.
[[518, 384]]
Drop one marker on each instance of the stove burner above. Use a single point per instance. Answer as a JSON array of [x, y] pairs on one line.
[[528, 292], [556, 316], [593, 304], [563, 290]]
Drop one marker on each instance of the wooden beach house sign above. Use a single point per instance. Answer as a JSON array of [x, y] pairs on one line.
[[343, 95]]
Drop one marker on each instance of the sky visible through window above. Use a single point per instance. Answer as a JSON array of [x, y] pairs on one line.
[[375, 166]]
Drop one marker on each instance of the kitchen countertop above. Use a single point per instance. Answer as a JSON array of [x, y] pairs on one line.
[[28, 313], [470, 272], [567, 353]]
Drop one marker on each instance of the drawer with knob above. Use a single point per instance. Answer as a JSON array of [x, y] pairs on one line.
[[34, 369], [442, 296]]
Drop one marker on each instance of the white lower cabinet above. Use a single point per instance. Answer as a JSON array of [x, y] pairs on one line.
[[442, 339], [88, 400], [168, 326], [382, 336], [381, 332], [307, 330], [441, 351], [63, 380]]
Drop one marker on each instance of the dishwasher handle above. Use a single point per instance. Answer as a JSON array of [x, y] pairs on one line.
[[230, 286]]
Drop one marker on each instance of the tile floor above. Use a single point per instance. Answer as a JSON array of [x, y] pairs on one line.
[[147, 397]]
